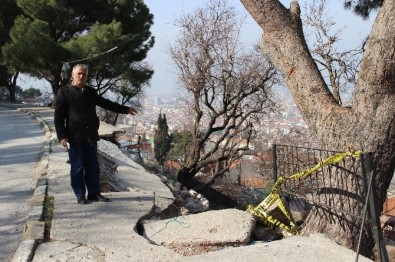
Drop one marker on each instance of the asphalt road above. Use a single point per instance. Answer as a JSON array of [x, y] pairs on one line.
[[21, 143]]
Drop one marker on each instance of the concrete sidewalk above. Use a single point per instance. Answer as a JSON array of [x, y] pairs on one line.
[[103, 230], [109, 231]]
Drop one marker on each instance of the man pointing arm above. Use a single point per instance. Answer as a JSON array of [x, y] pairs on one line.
[[77, 124]]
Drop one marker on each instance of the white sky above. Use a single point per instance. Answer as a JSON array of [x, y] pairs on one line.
[[165, 11]]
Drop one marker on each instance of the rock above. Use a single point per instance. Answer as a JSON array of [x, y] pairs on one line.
[[197, 206], [177, 189], [193, 205], [184, 194], [163, 179], [206, 203], [193, 193], [179, 198], [174, 186], [184, 211]]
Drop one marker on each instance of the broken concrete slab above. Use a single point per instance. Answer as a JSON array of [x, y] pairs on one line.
[[213, 228], [68, 251]]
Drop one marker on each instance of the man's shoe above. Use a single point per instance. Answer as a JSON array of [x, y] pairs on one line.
[[82, 200], [99, 198]]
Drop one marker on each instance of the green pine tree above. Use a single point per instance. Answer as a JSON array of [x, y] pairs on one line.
[[8, 75], [180, 145], [112, 37], [161, 139]]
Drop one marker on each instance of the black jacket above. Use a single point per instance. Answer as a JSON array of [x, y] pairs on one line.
[[75, 113]]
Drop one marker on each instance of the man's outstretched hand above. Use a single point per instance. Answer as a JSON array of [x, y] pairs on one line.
[[132, 111]]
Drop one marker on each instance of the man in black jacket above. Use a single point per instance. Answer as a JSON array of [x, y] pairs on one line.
[[77, 126]]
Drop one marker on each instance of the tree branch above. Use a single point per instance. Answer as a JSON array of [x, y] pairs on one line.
[[282, 29]]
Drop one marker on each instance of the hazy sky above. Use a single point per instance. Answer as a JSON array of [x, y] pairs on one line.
[[165, 11], [164, 79]]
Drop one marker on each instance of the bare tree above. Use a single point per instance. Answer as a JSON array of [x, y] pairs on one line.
[[122, 90], [368, 124], [340, 67], [228, 87]]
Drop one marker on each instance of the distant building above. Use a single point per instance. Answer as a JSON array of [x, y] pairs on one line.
[[151, 101]]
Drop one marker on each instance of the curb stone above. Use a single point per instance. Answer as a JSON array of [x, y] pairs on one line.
[[25, 251]]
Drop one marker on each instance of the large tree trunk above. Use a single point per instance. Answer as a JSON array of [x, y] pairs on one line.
[[57, 80], [369, 125], [187, 177], [12, 86], [9, 81]]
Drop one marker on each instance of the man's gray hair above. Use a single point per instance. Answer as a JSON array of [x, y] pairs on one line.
[[83, 66]]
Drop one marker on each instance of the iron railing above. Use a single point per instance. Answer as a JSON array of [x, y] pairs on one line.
[[344, 188]]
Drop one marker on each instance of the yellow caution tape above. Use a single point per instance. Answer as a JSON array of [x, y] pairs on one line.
[[274, 198], [331, 160], [261, 212]]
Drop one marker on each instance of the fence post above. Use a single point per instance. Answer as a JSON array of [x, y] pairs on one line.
[[374, 215], [274, 159]]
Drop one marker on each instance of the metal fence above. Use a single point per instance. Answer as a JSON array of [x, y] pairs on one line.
[[344, 188]]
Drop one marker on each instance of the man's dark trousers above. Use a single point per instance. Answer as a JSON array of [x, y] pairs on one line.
[[84, 169]]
